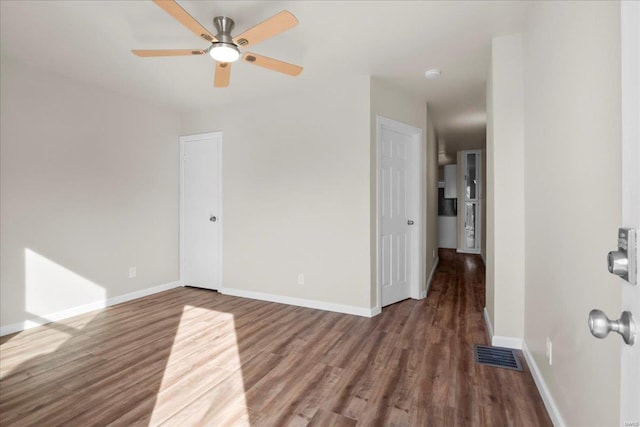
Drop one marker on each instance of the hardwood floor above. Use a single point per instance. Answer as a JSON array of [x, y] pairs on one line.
[[195, 357]]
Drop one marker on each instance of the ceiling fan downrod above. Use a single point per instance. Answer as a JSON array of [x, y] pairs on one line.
[[224, 26]]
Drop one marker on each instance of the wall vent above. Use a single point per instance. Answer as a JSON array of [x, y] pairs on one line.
[[499, 357]]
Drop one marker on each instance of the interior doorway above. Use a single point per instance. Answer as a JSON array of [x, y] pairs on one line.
[[399, 197]]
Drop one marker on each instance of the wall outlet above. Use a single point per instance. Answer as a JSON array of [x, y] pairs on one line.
[[549, 351], [300, 278], [132, 272]]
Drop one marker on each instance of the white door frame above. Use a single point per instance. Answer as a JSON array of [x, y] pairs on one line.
[[630, 294], [183, 140], [418, 260]]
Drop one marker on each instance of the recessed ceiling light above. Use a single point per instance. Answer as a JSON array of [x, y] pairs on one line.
[[432, 74]]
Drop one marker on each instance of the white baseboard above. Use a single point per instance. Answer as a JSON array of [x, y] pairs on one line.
[[500, 341], [509, 342], [301, 302], [464, 251], [487, 321], [547, 398], [433, 270], [82, 309], [520, 344]]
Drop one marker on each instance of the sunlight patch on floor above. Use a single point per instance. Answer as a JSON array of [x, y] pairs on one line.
[[200, 387]]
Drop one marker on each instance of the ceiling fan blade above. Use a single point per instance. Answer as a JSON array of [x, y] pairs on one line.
[[174, 9], [272, 64], [223, 72], [278, 23], [145, 53]]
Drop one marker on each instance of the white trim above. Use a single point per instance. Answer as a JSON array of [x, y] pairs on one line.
[[509, 342], [199, 137], [547, 398], [487, 321], [300, 302], [433, 270], [85, 308], [418, 260], [468, 251], [630, 177]]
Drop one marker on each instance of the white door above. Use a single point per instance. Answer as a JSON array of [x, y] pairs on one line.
[[630, 366], [201, 222], [397, 210]]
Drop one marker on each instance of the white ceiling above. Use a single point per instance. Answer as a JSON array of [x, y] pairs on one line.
[[393, 40]]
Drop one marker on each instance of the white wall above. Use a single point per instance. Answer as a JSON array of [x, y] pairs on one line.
[[89, 188], [392, 103], [572, 201], [296, 192], [93, 190], [505, 189]]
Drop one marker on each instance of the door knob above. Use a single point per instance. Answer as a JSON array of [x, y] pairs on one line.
[[410, 222], [600, 325], [213, 218]]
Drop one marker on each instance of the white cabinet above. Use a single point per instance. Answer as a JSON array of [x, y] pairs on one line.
[[447, 232], [450, 182]]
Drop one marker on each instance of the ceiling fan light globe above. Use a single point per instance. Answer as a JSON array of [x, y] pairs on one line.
[[224, 52]]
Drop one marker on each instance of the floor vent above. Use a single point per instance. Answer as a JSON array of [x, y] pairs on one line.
[[499, 357]]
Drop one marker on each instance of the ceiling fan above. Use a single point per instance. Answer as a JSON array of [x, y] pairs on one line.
[[224, 48]]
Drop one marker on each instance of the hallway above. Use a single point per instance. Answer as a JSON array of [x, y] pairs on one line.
[[471, 394]]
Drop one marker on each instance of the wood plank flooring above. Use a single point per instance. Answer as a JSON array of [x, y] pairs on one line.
[[195, 357]]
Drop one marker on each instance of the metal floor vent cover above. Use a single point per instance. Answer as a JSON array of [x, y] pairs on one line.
[[499, 357]]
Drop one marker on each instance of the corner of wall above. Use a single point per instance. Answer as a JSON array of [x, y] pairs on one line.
[[505, 189]]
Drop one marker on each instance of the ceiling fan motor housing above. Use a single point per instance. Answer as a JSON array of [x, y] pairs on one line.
[[224, 26]]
